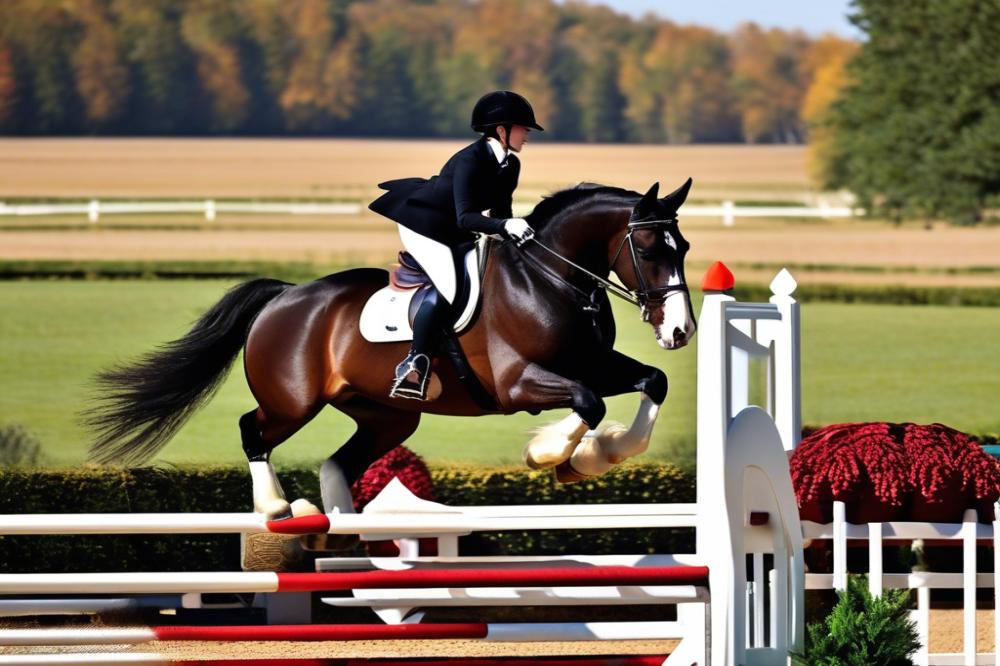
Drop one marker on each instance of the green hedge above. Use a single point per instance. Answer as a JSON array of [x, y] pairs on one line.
[[224, 489], [889, 295], [304, 271]]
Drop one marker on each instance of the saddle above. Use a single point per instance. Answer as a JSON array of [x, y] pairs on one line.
[[407, 274], [388, 314]]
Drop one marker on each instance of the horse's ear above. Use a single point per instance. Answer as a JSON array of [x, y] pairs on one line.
[[650, 196], [647, 204], [675, 199]]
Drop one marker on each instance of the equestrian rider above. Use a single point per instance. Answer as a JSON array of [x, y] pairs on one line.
[[437, 218]]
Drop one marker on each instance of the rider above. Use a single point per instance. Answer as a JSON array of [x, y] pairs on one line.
[[436, 216]]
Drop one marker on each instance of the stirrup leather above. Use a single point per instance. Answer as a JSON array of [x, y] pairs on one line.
[[403, 386]]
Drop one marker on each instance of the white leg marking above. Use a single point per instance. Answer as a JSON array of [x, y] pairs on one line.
[[268, 497], [334, 488], [612, 443], [554, 443]]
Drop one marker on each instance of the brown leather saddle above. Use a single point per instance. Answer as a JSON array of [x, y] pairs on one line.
[[408, 274]]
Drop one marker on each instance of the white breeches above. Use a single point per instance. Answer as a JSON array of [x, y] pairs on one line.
[[435, 258]]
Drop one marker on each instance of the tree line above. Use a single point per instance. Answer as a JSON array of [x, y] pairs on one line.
[[396, 68]]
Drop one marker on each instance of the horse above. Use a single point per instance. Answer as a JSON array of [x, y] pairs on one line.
[[542, 339]]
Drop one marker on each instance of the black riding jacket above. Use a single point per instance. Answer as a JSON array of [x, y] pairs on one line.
[[449, 206]]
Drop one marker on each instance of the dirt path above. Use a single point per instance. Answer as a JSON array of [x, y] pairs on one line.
[[945, 636]]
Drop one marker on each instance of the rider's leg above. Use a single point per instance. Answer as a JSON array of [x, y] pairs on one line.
[[413, 372], [434, 314]]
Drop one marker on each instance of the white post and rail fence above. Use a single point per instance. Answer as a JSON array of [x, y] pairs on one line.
[[211, 209]]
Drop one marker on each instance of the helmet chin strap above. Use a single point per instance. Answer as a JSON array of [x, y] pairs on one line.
[[505, 142]]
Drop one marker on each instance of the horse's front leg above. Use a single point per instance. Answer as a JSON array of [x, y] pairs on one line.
[[536, 388], [610, 445]]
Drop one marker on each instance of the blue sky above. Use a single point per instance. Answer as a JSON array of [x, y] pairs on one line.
[[813, 16]]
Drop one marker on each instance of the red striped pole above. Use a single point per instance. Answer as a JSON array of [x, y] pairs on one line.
[[577, 576], [603, 660]]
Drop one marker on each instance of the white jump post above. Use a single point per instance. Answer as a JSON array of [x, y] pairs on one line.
[[743, 468]]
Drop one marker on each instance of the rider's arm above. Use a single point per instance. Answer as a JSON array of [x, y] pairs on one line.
[[468, 217]]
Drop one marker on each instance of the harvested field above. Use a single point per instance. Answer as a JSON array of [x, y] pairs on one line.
[[351, 168]]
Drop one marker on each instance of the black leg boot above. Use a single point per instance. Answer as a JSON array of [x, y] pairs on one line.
[[414, 371]]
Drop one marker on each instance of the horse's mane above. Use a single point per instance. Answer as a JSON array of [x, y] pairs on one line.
[[578, 195]]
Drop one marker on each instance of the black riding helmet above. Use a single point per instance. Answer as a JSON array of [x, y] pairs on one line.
[[503, 107]]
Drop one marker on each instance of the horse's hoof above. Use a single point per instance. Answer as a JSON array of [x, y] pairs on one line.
[[303, 507], [566, 474], [547, 449], [276, 510], [608, 432]]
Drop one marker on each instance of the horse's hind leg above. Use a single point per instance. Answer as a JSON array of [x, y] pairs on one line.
[[380, 430], [260, 434]]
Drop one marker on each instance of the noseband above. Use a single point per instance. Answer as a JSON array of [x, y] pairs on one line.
[[641, 296], [644, 294]]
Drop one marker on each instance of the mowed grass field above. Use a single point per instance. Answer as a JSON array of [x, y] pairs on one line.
[[859, 362]]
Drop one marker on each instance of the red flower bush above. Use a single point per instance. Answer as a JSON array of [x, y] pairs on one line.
[[949, 473], [400, 462], [410, 468], [886, 471]]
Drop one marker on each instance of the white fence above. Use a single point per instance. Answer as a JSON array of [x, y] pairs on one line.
[[965, 535], [210, 208]]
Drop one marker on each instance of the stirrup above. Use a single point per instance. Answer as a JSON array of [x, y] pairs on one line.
[[403, 387]]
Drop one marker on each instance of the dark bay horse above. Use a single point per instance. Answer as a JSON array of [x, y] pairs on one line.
[[543, 339]]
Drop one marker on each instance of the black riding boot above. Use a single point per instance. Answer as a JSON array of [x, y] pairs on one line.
[[414, 371]]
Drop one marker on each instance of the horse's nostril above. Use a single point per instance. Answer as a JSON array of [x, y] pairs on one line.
[[678, 335]]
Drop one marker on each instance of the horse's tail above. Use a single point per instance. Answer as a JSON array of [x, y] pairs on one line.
[[144, 404]]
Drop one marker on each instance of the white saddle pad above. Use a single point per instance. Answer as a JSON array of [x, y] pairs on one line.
[[385, 317]]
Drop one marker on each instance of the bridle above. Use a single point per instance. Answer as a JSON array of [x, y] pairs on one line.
[[641, 296]]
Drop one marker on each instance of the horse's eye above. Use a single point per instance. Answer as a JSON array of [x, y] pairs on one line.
[[647, 255]]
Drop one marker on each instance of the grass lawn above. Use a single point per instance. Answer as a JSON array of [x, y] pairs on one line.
[[859, 363]]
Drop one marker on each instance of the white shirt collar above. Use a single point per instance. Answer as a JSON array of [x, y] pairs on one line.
[[498, 150]]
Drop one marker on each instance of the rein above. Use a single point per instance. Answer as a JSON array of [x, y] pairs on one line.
[[639, 297]]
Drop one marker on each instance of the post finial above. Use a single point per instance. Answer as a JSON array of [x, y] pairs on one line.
[[783, 283], [718, 278]]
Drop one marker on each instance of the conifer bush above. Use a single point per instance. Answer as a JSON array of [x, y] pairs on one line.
[[863, 630]]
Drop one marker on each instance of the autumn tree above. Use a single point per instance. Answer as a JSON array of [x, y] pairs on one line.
[[213, 30], [8, 88], [690, 67], [393, 67], [325, 69], [767, 83], [165, 95], [826, 66], [100, 72]]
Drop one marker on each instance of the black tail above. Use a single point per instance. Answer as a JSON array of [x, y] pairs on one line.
[[144, 404]]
